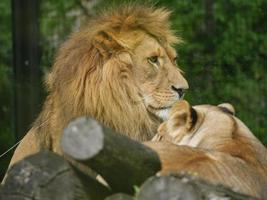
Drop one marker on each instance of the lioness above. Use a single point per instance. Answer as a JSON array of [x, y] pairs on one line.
[[225, 150]]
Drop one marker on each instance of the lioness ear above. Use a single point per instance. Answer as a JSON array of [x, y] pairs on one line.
[[227, 108], [182, 114]]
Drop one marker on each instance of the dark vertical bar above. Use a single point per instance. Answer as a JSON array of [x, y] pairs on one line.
[[26, 59], [209, 21]]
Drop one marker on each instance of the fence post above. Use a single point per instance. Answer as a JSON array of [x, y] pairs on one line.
[[26, 58]]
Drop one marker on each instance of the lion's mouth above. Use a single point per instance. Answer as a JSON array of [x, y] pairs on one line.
[[159, 108], [161, 112]]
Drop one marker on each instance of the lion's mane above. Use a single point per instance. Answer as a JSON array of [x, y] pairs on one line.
[[90, 76]]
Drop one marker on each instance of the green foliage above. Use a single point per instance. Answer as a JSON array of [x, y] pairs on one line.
[[57, 21], [6, 137], [224, 55]]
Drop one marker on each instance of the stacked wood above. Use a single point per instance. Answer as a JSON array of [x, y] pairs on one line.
[[185, 187], [48, 176], [126, 166]]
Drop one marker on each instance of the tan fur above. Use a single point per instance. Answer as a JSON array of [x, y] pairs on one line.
[[103, 71], [225, 150]]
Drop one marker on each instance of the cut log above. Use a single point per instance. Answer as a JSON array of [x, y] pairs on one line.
[[46, 176], [122, 162], [185, 187]]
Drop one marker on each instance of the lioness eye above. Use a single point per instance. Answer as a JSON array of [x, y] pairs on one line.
[[153, 60]]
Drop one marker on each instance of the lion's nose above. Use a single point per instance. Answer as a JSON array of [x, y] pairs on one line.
[[180, 91]]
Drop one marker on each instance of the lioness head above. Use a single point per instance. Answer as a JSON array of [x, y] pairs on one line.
[[209, 127], [120, 69], [199, 126]]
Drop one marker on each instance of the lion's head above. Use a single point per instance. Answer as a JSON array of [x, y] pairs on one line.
[[120, 69]]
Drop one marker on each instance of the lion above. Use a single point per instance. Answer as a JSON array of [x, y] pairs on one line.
[[211, 142], [119, 69]]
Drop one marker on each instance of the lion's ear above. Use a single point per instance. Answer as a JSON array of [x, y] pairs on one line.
[[118, 81], [125, 58], [118, 67], [227, 108]]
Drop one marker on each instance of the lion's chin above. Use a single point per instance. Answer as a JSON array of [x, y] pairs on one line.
[[162, 113]]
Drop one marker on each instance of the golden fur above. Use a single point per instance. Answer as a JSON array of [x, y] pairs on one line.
[[224, 150], [106, 71]]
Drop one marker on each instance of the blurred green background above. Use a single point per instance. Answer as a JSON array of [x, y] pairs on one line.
[[224, 55]]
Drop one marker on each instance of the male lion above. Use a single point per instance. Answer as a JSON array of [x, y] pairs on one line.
[[225, 149], [119, 69]]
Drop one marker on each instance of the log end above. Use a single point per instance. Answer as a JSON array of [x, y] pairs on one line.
[[166, 187], [82, 138]]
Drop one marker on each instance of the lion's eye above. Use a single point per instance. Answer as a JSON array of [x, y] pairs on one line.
[[154, 60]]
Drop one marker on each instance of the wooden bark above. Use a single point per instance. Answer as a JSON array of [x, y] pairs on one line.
[[121, 161], [185, 187], [45, 176]]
